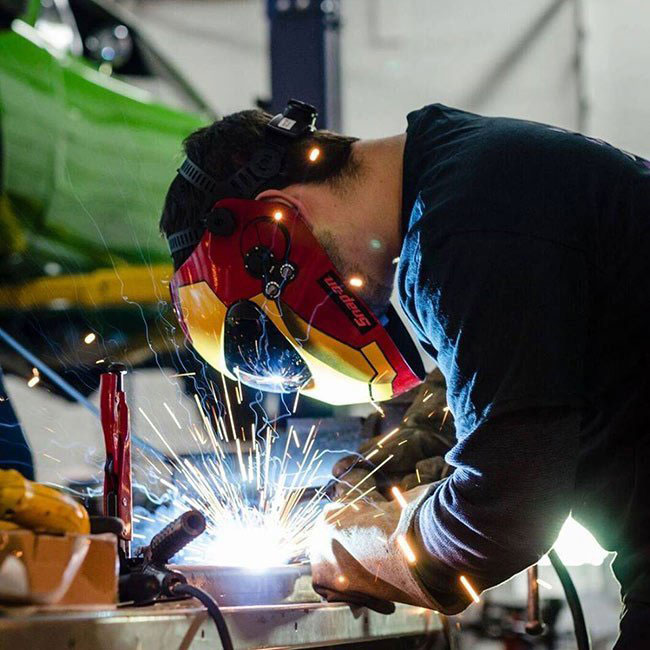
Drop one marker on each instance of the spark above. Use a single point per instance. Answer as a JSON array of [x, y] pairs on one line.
[[371, 454], [446, 411], [138, 536], [406, 549], [242, 467], [470, 590], [417, 474], [342, 580], [171, 413], [238, 390], [403, 442], [225, 390], [543, 583], [51, 457], [367, 476], [295, 403], [183, 374], [428, 397], [277, 215], [35, 378], [378, 409], [355, 281], [398, 497], [276, 517], [166, 483], [388, 435], [314, 154], [338, 511], [152, 465], [90, 338]]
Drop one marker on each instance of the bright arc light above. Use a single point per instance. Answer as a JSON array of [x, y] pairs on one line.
[[242, 545], [355, 281], [470, 590], [89, 338], [398, 497], [576, 546], [277, 215], [406, 549], [314, 154]]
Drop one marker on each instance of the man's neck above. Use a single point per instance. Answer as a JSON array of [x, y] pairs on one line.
[[377, 200], [359, 221]]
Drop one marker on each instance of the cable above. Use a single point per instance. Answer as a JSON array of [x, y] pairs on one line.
[[213, 609], [579, 625]]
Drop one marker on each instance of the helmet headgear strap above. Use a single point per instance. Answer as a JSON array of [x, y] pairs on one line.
[[297, 120]]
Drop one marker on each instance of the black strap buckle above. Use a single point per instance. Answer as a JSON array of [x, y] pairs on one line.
[[297, 119], [183, 239]]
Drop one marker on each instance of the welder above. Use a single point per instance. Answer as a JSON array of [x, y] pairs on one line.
[[521, 257]]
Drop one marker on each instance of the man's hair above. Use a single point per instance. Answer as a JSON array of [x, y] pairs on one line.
[[228, 144]]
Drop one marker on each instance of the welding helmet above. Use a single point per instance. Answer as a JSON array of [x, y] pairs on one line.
[[261, 301]]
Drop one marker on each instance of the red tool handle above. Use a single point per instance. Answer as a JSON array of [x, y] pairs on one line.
[[118, 500]]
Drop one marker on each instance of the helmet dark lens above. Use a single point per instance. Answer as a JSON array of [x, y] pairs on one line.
[[259, 354]]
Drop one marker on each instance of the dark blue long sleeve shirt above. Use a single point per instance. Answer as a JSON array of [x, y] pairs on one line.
[[525, 271]]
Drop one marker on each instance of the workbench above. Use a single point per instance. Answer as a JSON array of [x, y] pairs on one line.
[[184, 625]]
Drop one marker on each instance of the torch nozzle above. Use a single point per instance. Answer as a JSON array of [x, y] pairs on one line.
[[176, 535]]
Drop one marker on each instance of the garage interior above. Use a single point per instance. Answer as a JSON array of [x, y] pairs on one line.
[[90, 138]]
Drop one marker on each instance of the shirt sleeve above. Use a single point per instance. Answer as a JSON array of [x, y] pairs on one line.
[[506, 314]]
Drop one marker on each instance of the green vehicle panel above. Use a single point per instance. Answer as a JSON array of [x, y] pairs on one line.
[[91, 123], [86, 155]]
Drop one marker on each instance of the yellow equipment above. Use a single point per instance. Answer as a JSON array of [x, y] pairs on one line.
[[38, 507]]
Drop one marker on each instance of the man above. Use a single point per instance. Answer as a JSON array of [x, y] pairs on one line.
[[524, 255]]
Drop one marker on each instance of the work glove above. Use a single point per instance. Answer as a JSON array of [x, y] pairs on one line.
[[417, 444], [360, 553]]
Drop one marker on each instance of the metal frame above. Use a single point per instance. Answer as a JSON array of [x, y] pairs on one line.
[[179, 626], [305, 56]]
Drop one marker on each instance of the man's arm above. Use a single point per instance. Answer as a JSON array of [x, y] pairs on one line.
[[507, 315], [503, 507]]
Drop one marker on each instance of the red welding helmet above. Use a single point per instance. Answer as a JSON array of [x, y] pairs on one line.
[[261, 301]]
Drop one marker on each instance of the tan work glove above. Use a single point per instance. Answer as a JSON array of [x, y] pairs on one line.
[[428, 429], [358, 555]]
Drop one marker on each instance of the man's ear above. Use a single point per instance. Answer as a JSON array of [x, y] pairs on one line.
[[280, 196]]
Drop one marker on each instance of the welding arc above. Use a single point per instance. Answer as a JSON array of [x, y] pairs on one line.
[[213, 609]]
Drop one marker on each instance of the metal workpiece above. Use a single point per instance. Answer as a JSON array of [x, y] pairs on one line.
[[234, 586], [182, 625]]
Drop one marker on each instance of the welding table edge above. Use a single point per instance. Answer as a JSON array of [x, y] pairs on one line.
[[181, 626]]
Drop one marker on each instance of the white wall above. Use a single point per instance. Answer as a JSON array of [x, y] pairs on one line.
[[396, 56], [618, 68]]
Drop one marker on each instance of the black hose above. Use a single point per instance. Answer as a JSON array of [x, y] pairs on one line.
[[579, 625], [213, 609]]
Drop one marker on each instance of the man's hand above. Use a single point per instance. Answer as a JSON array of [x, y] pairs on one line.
[[360, 553], [416, 447]]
